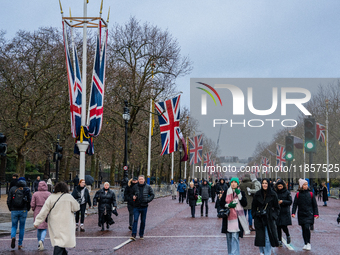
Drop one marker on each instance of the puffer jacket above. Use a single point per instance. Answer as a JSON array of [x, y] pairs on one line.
[[105, 201], [145, 198], [27, 194], [128, 192], [76, 193], [181, 187], [38, 201], [204, 191]]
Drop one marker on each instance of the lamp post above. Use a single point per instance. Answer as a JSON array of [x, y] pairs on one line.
[[180, 163], [126, 117]]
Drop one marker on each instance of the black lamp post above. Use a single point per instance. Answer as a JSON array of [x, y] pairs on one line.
[[126, 117], [180, 163]]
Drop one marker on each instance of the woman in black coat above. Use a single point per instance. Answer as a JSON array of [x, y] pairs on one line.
[[192, 198], [324, 191], [307, 207], [284, 219], [82, 195], [106, 200], [265, 210]]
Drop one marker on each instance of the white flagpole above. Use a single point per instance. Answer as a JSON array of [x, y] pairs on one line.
[[172, 167], [185, 171], [304, 160], [327, 151], [149, 146], [83, 146]]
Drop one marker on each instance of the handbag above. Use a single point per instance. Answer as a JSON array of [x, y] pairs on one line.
[[223, 213], [199, 200], [53, 207]]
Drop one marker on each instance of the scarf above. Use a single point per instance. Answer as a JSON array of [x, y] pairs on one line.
[[236, 214]]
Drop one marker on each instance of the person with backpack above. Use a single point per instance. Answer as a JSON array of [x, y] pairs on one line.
[[82, 195], [307, 207], [38, 200], [181, 188], [19, 203]]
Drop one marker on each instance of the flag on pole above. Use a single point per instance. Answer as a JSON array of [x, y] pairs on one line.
[[280, 156], [265, 161], [270, 152], [169, 114], [196, 149], [320, 132], [298, 142], [74, 87], [96, 103], [207, 159]]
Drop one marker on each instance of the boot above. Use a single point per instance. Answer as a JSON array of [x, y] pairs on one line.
[[107, 226], [82, 228], [102, 227]]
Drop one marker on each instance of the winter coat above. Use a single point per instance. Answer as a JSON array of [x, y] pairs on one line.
[[61, 221], [324, 194], [269, 220], [213, 189], [38, 201], [106, 202], [35, 185], [204, 191], [13, 183], [145, 198], [191, 200], [247, 183], [174, 189], [76, 193], [128, 192], [284, 218], [221, 187], [222, 203], [307, 207], [27, 194], [181, 188], [257, 185]]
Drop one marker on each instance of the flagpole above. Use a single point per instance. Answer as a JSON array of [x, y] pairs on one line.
[[327, 151], [304, 160], [185, 171], [150, 130], [172, 167]]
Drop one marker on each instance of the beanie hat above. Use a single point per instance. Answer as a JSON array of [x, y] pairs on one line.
[[22, 179], [301, 182], [235, 179], [280, 181], [135, 178]]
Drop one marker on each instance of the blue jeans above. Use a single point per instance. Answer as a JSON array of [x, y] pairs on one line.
[[16, 217], [233, 243], [41, 234], [267, 249], [136, 212], [250, 218]]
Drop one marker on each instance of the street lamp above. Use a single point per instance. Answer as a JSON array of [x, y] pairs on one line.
[[126, 117], [180, 163]]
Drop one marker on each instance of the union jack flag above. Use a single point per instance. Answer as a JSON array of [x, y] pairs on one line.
[[256, 168], [74, 87], [96, 103], [280, 155], [265, 161], [169, 114], [320, 132], [196, 149], [207, 160]]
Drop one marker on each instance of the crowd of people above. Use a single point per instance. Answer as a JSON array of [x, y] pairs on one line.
[[249, 205]]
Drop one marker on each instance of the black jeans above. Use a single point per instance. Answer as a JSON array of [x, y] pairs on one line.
[[279, 232], [204, 201], [213, 197], [82, 212], [306, 233], [59, 251], [130, 208], [181, 196], [193, 211]]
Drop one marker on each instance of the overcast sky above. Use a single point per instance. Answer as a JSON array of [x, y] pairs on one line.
[[224, 39]]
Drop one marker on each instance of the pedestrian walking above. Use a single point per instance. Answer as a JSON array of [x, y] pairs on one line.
[[49, 185], [265, 210], [75, 181], [221, 186], [324, 191], [235, 225], [307, 207], [14, 181], [181, 188], [58, 210], [142, 195], [128, 198], [213, 190], [106, 200], [82, 195], [37, 202], [36, 184], [19, 203], [174, 190], [284, 219], [204, 191], [244, 186], [192, 196]]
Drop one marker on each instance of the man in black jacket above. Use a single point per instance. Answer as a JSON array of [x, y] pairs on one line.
[[142, 196], [36, 184], [205, 192], [128, 198], [19, 203], [14, 180]]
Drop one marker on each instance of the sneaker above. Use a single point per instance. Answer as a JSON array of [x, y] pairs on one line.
[[133, 238], [19, 247], [141, 237], [13, 243], [82, 229], [308, 247], [130, 227], [280, 244], [41, 246], [304, 247], [288, 239]]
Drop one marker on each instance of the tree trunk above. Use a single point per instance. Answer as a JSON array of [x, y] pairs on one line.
[[93, 166], [3, 160], [20, 168], [67, 167]]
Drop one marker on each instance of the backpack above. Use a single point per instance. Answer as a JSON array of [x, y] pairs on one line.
[[19, 198], [297, 194]]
